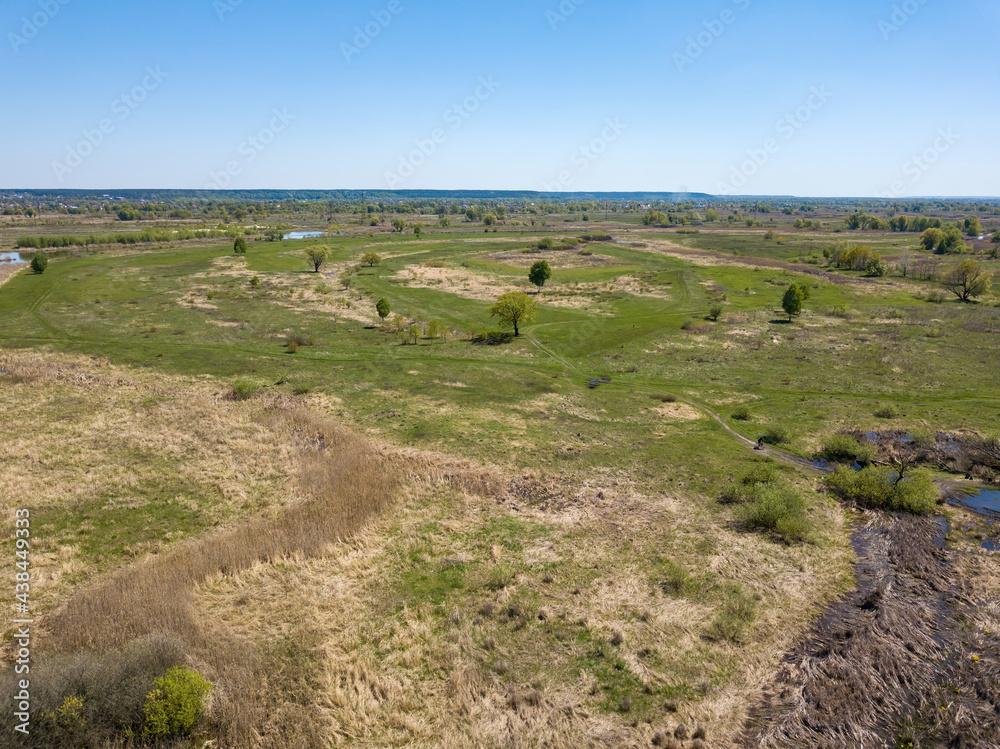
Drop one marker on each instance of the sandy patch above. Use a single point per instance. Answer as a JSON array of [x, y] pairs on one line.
[[8, 270], [680, 411], [458, 281], [555, 259]]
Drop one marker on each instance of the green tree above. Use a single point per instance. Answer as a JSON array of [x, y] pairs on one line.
[[995, 239], [792, 302], [39, 263], [514, 308], [371, 259], [489, 219], [931, 238], [969, 280], [414, 333], [711, 216], [973, 228], [383, 309], [655, 218], [444, 222], [539, 274], [317, 256], [398, 225], [240, 246], [952, 242]]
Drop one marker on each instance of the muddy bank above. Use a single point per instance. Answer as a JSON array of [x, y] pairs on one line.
[[913, 655]]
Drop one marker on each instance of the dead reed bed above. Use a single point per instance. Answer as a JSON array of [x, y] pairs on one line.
[[903, 661], [345, 483]]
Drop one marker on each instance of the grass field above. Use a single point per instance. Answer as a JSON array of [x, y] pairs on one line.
[[556, 567]]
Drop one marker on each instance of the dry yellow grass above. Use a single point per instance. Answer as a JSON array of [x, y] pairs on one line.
[[321, 620]]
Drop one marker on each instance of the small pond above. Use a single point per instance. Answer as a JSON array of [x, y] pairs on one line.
[[11, 257], [304, 234], [985, 502]]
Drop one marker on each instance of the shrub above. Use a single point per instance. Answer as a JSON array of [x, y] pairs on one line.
[[244, 389], [748, 486], [240, 246], [843, 447], [887, 412], [39, 263], [175, 706], [437, 329], [742, 413], [88, 699], [776, 434], [882, 489], [546, 243], [715, 312], [777, 509], [292, 346], [492, 337]]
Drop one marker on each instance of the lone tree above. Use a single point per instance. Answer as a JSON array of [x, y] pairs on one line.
[[371, 259], [317, 256], [398, 224], [969, 280], [240, 246], [39, 263], [794, 297], [383, 309], [540, 273], [514, 308]]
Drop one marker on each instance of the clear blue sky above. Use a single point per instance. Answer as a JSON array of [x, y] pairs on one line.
[[889, 91]]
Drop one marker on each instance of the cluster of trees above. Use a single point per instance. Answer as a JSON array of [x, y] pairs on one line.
[[857, 257], [146, 235], [946, 241]]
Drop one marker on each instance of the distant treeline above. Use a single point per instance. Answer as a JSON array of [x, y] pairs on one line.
[[137, 237]]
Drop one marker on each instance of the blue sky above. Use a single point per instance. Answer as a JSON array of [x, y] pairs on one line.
[[728, 96]]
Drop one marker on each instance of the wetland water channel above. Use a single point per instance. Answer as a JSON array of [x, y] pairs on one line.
[[903, 660], [11, 257]]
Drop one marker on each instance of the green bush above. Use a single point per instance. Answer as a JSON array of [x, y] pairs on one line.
[[887, 412], [742, 413], [715, 312], [882, 489], [244, 389], [39, 263], [175, 706], [492, 337], [777, 509], [748, 486], [843, 447], [777, 434], [90, 699]]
